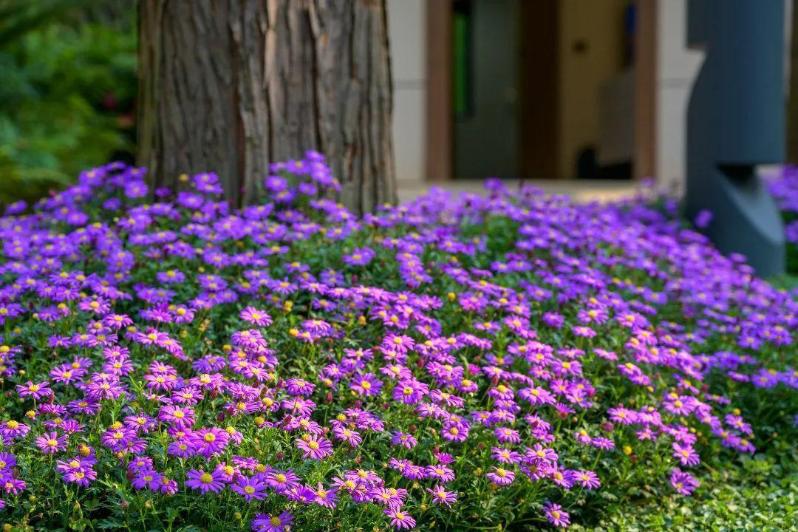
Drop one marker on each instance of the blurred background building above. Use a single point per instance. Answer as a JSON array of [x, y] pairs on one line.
[[585, 96], [549, 89]]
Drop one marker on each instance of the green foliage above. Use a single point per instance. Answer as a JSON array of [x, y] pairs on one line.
[[759, 494], [68, 86]]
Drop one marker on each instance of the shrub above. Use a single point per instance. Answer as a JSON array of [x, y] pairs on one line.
[[66, 97], [512, 360]]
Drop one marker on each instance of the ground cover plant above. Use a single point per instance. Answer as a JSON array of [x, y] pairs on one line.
[[512, 360]]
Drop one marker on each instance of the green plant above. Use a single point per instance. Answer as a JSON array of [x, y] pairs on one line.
[[67, 93]]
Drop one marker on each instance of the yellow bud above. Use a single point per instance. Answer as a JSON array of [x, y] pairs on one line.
[[627, 450]]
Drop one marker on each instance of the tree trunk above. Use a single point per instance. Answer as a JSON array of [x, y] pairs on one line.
[[229, 86]]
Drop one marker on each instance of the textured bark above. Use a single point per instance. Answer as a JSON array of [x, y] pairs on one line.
[[231, 85]]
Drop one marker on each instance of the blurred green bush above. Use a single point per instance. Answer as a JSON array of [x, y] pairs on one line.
[[68, 71]]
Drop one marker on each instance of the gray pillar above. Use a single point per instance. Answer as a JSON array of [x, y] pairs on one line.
[[735, 121]]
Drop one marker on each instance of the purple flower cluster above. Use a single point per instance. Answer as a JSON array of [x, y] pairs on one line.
[[466, 347]]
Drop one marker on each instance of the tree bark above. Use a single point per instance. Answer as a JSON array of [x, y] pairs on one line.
[[229, 86]]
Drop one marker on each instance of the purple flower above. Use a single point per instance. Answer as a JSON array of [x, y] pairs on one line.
[[325, 497], [272, 523], [399, 518], [359, 257], [282, 481], [204, 482], [147, 478], [685, 454], [366, 385], [36, 391], [252, 488], [208, 442], [256, 317], [314, 448], [501, 476], [703, 219], [409, 391], [408, 441], [556, 515], [682, 482], [440, 472], [587, 479], [51, 442], [12, 429], [441, 496]]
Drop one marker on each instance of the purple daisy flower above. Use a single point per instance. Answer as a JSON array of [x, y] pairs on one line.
[[314, 448], [51, 443], [501, 476], [204, 482], [441, 496], [272, 523], [683, 483], [256, 317], [400, 519], [252, 488], [685, 454], [366, 385], [556, 515], [36, 391]]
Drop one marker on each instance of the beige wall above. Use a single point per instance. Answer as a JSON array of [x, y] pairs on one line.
[[599, 24], [407, 32]]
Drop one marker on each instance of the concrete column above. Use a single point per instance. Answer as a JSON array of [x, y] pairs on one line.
[[407, 27]]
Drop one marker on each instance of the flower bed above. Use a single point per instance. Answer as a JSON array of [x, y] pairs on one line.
[[784, 188], [459, 361]]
